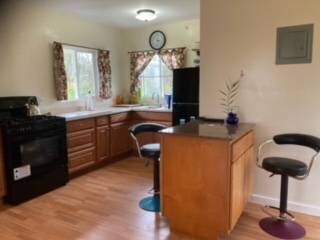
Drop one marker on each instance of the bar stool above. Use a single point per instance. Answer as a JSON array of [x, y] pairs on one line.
[[284, 225], [149, 152]]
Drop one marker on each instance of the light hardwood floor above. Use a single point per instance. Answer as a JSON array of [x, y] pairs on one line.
[[103, 205]]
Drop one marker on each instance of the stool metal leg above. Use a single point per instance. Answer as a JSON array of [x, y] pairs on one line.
[[152, 204], [284, 195], [282, 227], [156, 176]]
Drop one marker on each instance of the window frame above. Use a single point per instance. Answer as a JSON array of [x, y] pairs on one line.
[[160, 76], [95, 69]]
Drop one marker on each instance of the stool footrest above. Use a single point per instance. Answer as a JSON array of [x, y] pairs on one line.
[[152, 191], [284, 216]]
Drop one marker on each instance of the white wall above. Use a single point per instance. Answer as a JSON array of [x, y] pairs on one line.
[[179, 34], [241, 35], [27, 33]]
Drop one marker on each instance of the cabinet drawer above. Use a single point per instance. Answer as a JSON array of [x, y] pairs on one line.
[[153, 116], [120, 117], [101, 121], [242, 145], [81, 139], [81, 160], [80, 125]]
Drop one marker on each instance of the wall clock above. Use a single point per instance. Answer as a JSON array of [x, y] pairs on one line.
[[157, 40]]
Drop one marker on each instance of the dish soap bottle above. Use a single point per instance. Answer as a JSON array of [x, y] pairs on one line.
[[89, 102]]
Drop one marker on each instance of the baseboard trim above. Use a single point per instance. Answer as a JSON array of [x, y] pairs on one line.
[[312, 210]]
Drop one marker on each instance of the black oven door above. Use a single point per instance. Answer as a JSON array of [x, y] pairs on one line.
[[36, 163], [41, 153]]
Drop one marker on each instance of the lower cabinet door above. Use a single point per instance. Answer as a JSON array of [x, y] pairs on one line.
[[249, 173], [238, 193], [103, 143], [120, 139], [81, 160]]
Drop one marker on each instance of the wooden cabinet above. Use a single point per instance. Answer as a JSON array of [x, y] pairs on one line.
[[205, 181], [241, 176], [120, 117], [240, 147], [237, 190], [103, 143], [81, 160], [81, 140], [120, 139], [103, 121], [81, 144], [121, 142], [78, 125], [153, 116], [94, 141], [241, 184]]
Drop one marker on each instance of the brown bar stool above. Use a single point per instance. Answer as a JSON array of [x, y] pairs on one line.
[[284, 225], [149, 152]]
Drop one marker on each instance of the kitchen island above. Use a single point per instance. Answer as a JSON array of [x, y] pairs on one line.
[[206, 176]]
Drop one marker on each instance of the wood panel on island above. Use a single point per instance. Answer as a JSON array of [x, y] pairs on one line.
[[215, 178], [94, 142]]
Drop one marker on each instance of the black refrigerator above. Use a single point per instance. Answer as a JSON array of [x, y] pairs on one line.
[[185, 103]]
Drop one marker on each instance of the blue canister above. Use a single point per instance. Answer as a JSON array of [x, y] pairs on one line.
[[167, 99]]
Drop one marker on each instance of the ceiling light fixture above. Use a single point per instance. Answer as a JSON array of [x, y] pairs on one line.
[[146, 15]]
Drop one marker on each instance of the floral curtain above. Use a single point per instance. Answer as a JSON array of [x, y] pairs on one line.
[[59, 70], [138, 63], [173, 58], [104, 74]]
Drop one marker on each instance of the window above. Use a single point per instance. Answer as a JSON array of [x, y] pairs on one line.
[[156, 80], [81, 69]]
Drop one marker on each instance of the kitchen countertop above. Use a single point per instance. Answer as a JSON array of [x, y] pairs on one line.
[[78, 115], [208, 129]]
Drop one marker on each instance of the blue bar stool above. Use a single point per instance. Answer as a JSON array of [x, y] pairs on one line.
[[149, 152], [284, 226]]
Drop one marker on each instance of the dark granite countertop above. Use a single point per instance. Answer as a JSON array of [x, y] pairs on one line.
[[208, 129]]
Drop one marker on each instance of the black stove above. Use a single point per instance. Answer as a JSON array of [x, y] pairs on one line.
[[35, 150]]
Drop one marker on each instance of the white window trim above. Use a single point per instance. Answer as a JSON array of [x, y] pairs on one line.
[[161, 76], [95, 66]]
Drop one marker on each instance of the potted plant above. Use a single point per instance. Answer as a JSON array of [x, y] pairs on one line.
[[228, 98]]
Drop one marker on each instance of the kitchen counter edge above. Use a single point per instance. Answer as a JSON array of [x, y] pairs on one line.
[[80, 115]]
